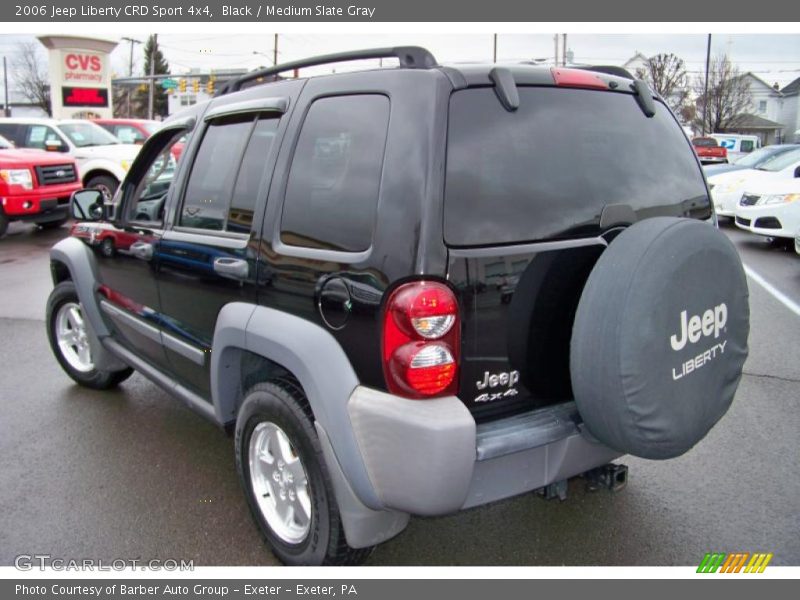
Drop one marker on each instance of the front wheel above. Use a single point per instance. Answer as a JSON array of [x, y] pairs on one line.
[[68, 332], [54, 224], [283, 473], [105, 183]]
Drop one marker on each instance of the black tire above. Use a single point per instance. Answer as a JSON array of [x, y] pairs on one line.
[[3, 223], [105, 183], [283, 404], [96, 379], [107, 248], [54, 224]]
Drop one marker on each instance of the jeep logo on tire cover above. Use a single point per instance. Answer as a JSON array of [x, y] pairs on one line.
[[692, 329]]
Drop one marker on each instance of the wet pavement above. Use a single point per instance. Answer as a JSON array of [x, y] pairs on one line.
[[134, 474]]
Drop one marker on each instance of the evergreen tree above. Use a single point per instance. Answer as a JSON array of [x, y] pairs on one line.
[[153, 53]]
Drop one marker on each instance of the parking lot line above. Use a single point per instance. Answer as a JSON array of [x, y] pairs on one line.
[[776, 293]]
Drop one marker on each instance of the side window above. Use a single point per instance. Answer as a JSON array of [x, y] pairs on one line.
[[151, 194], [245, 192], [13, 133], [747, 145], [40, 135], [334, 181], [129, 135]]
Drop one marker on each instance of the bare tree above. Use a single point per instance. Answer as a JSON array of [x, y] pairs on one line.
[[666, 74], [30, 75], [728, 95]]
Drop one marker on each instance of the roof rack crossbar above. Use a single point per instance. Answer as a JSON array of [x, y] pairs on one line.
[[410, 57]]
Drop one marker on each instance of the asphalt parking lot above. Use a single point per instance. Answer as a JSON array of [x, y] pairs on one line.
[[134, 474]]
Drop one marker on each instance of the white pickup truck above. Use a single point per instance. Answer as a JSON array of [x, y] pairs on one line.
[[102, 159]]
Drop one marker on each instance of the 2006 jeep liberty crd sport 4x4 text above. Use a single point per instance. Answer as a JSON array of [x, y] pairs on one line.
[[412, 290]]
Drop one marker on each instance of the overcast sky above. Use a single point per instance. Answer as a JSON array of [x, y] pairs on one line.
[[774, 57]]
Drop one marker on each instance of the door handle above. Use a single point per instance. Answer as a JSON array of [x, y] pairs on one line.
[[235, 268], [142, 250]]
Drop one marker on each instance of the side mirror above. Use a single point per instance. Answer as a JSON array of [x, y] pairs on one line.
[[52, 145], [797, 172], [87, 205]]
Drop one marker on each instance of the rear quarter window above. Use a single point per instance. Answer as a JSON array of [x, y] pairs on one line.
[[334, 183]]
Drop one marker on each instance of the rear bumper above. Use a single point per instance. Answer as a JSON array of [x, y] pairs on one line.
[[713, 160], [430, 458]]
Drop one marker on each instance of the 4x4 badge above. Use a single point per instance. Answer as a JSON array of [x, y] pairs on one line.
[[504, 379]]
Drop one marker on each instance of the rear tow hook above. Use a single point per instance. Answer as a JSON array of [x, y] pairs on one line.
[[557, 489]]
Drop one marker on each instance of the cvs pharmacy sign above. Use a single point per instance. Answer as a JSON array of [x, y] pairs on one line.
[[83, 66]]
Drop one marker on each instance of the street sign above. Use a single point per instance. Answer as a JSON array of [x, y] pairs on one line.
[[169, 84]]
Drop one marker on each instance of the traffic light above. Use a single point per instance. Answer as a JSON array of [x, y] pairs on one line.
[[182, 85], [210, 86], [195, 85]]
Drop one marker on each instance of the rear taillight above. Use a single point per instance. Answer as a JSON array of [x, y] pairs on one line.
[[421, 340]]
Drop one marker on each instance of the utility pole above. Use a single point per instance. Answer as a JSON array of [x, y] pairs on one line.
[[705, 93], [275, 51], [494, 54], [130, 71], [152, 78], [555, 41], [564, 49], [6, 109]]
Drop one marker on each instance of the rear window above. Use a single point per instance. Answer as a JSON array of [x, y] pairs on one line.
[[705, 142], [547, 170]]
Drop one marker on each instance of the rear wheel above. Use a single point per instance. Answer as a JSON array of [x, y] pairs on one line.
[[70, 340], [107, 247], [3, 223], [283, 473]]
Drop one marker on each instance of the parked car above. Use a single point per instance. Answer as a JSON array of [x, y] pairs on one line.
[[709, 151], [102, 159], [35, 186], [321, 281], [135, 131], [727, 188], [737, 145], [771, 209], [750, 161], [129, 131]]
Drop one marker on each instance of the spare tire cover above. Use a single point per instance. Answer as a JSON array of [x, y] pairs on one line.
[[660, 337]]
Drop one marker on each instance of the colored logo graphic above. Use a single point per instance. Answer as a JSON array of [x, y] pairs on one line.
[[738, 562]]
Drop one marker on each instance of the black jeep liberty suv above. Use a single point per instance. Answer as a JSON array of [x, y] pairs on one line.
[[412, 290]]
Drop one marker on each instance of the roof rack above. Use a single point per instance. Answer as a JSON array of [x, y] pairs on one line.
[[410, 57]]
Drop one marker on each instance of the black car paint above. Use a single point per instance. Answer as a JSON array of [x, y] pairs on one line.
[[183, 295]]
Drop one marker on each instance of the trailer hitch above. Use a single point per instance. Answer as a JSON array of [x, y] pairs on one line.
[[611, 477]]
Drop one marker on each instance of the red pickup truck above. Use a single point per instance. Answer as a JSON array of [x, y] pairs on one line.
[[35, 186], [709, 151]]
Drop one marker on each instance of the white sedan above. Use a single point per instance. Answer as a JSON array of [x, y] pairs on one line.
[[727, 188], [771, 208]]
